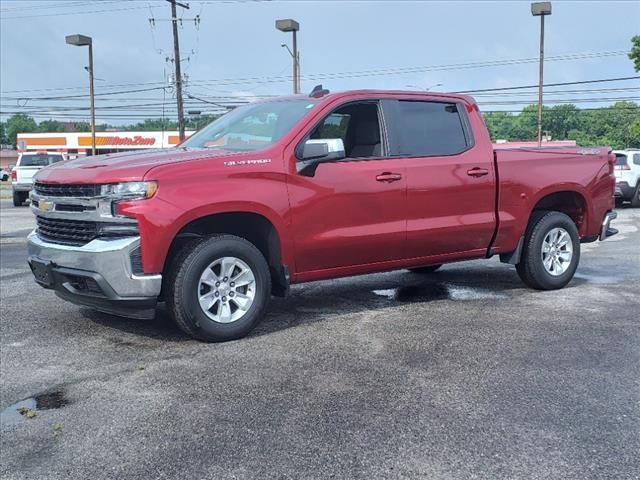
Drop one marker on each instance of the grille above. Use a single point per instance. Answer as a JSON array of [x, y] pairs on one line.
[[67, 190], [67, 232], [136, 261], [85, 285]]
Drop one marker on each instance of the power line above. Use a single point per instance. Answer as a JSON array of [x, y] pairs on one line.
[[67, 4], [399, 70], [581, 82], [71, 13], [84, 96]]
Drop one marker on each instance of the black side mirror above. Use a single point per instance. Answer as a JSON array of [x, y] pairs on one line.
[[315, 152]]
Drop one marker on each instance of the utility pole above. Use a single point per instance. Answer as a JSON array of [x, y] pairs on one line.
[[176, 57]]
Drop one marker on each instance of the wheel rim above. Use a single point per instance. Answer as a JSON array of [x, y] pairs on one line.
[[557, 251], [226, 290]]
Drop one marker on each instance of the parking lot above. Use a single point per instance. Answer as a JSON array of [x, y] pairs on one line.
[[461, 374]]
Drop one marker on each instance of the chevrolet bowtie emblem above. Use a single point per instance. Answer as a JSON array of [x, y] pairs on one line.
[[45, 206]]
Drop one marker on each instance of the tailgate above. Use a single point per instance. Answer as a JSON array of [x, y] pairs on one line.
[[25, 174]]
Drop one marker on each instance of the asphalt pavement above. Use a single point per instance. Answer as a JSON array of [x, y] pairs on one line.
[[460, 374]]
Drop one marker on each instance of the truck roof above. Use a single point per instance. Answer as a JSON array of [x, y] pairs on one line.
[[382, 93]]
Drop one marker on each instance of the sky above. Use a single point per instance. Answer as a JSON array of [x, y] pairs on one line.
[[235, 51]]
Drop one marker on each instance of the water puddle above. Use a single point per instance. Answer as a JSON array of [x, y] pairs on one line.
[[28, 408], [436, 291], [598, 279]]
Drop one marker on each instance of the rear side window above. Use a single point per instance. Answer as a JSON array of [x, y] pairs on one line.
[[621, 159], [430, 129], [636, 158], [39, 160]]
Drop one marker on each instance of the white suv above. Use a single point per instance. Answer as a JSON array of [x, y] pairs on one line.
[[28, 164], [627, 173]]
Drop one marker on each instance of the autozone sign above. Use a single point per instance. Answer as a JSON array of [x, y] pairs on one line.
[[132, 141]]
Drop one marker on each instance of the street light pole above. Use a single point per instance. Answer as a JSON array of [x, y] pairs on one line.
[[290, 25], [541, 9], [93, 102], [84, 41], [296, 64]]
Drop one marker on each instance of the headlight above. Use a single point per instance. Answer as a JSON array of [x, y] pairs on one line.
[[130, 190]]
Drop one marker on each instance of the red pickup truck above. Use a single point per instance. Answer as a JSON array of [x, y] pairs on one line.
[[306, 188]]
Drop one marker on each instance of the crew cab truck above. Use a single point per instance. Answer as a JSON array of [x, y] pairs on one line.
[[306, 188]]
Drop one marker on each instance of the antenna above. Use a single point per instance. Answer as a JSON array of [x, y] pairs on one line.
[[318, 92]]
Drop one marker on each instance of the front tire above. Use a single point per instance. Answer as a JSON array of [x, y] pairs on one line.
[[551, 251], [219, 288]]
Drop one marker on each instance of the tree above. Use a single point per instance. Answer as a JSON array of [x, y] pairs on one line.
[[20, 123], [500, 125], [153, 124], [3, 134], [51, 126], [634, 54], [560, 120]]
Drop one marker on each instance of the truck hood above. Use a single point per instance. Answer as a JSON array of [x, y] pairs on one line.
[[124, 166]]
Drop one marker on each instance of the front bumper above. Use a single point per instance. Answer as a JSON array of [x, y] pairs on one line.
[[606, 231], [98, 275]]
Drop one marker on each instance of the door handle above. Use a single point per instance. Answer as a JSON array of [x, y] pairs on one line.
[[477, 172], [388, 177]]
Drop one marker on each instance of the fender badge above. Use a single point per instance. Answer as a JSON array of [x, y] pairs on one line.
[[589, 151], [260, 161]]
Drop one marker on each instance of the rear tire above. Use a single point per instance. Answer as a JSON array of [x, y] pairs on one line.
[[551, 251], [429, 269], [208, 267], [635, 200]]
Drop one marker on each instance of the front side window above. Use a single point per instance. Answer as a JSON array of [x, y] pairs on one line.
[[40, 159], [430, 129], [358, 125], [251, 127]]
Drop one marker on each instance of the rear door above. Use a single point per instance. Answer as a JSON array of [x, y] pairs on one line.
[[450, 178]]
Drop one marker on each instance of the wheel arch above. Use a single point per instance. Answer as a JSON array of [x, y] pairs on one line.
[[254, 227], [572, 201]]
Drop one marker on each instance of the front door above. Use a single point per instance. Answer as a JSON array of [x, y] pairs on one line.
[[350, 212]]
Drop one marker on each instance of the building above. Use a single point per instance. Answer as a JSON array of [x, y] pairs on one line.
[[79, 143]]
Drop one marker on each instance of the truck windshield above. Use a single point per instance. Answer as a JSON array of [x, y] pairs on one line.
[[251, 127], [39, 160]]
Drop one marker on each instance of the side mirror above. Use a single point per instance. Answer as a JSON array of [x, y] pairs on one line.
[[318, 151], [323, 150]]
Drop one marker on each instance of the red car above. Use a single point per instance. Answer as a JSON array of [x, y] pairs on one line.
[[306, 188]]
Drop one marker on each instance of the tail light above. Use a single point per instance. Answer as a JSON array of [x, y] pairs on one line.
[[611, 158], [14, 176]]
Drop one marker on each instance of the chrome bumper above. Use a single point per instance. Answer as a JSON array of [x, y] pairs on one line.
[[606, 231], [109, 260], [21, 187]]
